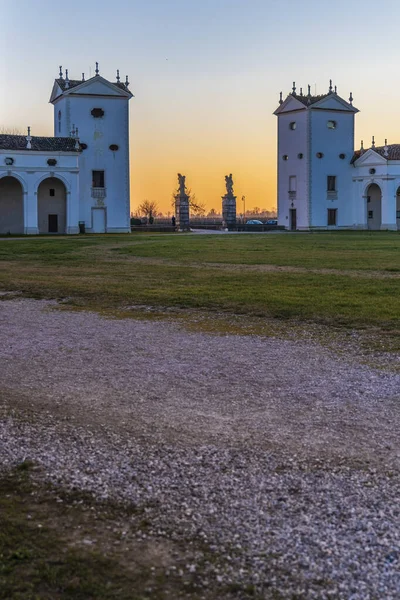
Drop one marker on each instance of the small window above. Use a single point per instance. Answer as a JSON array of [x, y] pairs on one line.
[[368, 198], [370, 214], [97, 113], [397, 214], [331, 183], [372, 171], [292, 183], [8, 161], [114, 147], [83, 146], [332, 214], [331, 124], [52, 192], [320, 155], [300, 155], [292, 125], [342, 156], [285, 157], [51, 162], [98, 179]]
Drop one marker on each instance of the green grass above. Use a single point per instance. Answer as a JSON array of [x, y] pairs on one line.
[[342, 279]]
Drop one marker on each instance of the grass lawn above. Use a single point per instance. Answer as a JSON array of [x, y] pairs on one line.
[[341, 279]]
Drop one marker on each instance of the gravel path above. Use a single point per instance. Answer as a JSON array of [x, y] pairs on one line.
[[280, 456]]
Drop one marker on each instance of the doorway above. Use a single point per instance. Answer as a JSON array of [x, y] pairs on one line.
[[293, 219], [53, 223], [98, 220]]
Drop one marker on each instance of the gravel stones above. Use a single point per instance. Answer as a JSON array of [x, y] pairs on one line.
[[278, 457]]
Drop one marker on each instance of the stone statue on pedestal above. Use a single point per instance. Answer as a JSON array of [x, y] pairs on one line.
[[182, 205], [229, 204]]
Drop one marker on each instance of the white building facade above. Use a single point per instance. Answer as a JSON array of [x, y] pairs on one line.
[[322, 182], [78, 179]]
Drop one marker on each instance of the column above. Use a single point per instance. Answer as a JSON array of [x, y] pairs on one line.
[[388, 205], [72, 225], [30, 209]]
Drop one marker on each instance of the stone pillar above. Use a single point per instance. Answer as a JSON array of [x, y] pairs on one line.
[[72, 224], [388, 206], [31, 213], [182, 212], [229, 211]]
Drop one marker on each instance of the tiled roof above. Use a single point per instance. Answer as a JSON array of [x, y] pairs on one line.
[[393, 152], [75, 82], [44, 144], [307, 100]]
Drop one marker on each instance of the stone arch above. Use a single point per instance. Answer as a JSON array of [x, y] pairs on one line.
[[16, 176], [53, 176], [52, 205], [11, 204], [373, 193]]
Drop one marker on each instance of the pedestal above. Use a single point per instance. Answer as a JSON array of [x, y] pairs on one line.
[[182, 212], [229, 211]]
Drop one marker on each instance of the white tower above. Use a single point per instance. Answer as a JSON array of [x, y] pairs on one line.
[[315, 148], [97, 111]]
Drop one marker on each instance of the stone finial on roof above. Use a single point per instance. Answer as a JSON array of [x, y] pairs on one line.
[[66, 79], [118, 77], [301, 91], [61, 72], [127, 81], [280, 98], [309, 90], [294, 88], [351, 98], [330, 86], [385, 149], [77, 145], [83, 76], [335, 89], [373, 142], [29, 139], [97, 68]]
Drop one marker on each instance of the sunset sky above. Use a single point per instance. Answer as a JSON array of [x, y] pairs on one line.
[[206, 75]]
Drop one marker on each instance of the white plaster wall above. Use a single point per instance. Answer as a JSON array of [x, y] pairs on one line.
[[99, 134], [54, 205], [293, 143], [332, 143], [30, 167], [398, 212], [11, 206]]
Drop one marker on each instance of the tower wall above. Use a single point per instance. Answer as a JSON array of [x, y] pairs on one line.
[[293, 143], [332, 143], [99, 133]]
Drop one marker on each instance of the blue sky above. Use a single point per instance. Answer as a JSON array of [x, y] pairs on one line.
[[206, 77]]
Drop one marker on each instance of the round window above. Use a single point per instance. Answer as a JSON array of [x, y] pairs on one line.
[[292, 125], [320, 155], [372, 171], [285, 157], [51, 162], [342, 156], [83, 145], [114, 147], [331, 124], [300, 155]]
